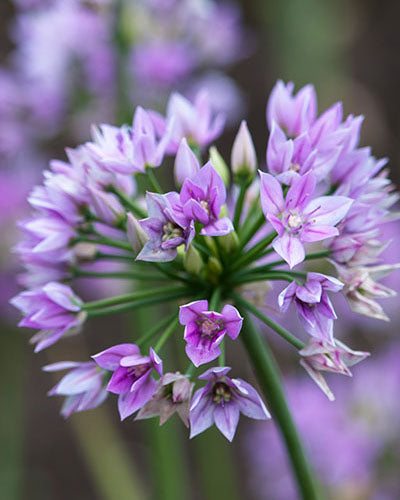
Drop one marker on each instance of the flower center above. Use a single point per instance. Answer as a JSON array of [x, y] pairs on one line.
[[221, 393], [294, 167], [294, 220], [171, 231], [205, 205], [139, 370], [210, 327]]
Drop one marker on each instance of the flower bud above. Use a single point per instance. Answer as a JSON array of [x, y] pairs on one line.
[[243, 156], [193, 262], [186, 163], [219, 164], [106, 206], [229, 242], [214, 269], [136, 235]]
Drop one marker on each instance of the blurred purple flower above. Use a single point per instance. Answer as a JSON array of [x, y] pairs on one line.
[[54, 309], [83, 386]]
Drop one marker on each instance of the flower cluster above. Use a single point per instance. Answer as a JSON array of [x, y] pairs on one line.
[[219, 232]]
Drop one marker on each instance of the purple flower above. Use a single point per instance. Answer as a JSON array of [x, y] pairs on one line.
[[221, 400], [166, 226], [334, 357], [172, 395], [314, 307], [297, 218], [205, 330], [293, 113], [130, 149], [54, 309], [83, 386], [186, 163], [202, 198], [193, 121], [132, 375]]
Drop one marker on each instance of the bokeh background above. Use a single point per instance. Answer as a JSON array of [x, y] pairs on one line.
[[350, 51]]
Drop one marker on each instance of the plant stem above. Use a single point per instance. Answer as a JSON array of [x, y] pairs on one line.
[[81, 273], [131, 297], [153, 180], [123, 245], [243, 303], [239, 205], [215, 299], [128, 202], [110, 256], [221, 359], [254, 252], [249, 229], [165, 336], [268, 376], [249, 278], [316, 255], [153, 331], [130, 306]]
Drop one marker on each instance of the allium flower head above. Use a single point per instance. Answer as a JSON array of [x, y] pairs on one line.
[[83, 386], [205, 330], [221, 401], [132, 375], [54, 309]]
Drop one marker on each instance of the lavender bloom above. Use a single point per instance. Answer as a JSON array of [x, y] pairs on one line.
[[131, 377], [166, 226], [295, 114], [221, 400], [172, 395], [205, 330], [83, 386], [314, 308], [202, 198], [186, 163], [54, 309], [130, 149], [319, 355], [298, 218], [193, 121]]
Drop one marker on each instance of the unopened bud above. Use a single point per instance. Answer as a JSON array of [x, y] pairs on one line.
[[219, 164], [243, 157], [106, 206], [193, 262], [229, 242], [214, 269], [186, 163], [136, 235]]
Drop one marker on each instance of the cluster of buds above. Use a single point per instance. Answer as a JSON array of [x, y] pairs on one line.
[[207, 241]]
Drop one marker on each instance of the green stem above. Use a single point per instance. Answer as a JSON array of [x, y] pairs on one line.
[[153, 180], [129, 202], [109, 242], [110, 256], [249, 229], [221, 359], [215, 299], [239, 205], [311, 256], [131, 297], [249, 278], [168, 332], [130, 306], [153, 331], [80, 273], [268, 376], [254, 252], [268, 321]]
